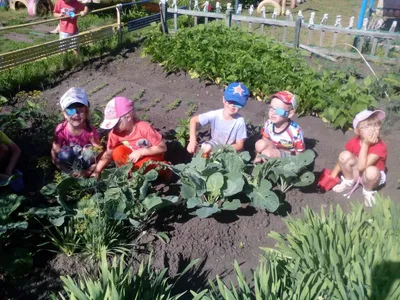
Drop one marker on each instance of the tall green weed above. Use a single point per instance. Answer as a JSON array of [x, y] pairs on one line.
[[337, 255]]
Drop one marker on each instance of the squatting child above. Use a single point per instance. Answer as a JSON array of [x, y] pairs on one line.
[[227, 126], [130, 139], [9, 155], [363, 161], [74, 139], [281, 136]]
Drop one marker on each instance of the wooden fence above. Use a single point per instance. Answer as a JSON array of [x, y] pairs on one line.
[[321, 39], [42, 51]]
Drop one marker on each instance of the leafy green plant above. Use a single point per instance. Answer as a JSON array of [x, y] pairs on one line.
[[210, 185], [115, 93], [173, 105], [287, 172], [13, 259], [182, 132], [337, 255], [117, 281], [97, 88], [8, 204], [265, 67], [95, 215], [192, 109]]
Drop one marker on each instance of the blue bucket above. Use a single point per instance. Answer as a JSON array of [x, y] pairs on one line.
[[17, 185]]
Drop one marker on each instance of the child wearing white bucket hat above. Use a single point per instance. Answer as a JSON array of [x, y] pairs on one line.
[[364, 160]]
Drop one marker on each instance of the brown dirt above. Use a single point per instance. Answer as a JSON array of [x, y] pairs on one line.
[[221, 240]]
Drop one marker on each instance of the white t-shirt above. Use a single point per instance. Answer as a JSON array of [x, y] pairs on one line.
[[224, 132]]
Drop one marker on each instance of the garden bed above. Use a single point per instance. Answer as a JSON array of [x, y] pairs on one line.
[[219, 240]]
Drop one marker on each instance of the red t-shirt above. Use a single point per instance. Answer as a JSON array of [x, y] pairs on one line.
[[69, 25], [143, 136], [354, 146]]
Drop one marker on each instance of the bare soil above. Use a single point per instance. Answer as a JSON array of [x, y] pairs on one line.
[[219, 240]]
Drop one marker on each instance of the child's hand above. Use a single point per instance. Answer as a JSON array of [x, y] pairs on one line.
[[372, 138], [192, 147], [135, 155], [82, 14]]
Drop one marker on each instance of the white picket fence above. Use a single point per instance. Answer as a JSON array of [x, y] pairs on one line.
[[315, 36]]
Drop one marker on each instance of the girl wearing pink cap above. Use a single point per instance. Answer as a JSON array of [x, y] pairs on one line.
[[363, 161], [130, 139]]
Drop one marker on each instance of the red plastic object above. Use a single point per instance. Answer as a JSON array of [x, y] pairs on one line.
[[326, 182]]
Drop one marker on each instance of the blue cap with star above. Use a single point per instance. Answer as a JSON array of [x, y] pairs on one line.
[[238, 93]]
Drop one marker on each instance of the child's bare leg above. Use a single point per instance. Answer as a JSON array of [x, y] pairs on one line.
[[267, 148], [336, 170], [4, 155], [348, 165], [371, 178]]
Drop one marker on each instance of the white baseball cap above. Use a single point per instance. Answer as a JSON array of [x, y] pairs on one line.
[[74, 95], [365, 114]]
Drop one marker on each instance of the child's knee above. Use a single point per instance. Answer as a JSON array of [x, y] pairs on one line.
[[261, 145], [371, 175], [271, 153], [346, 157]]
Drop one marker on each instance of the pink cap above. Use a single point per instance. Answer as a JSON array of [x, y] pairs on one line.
[[115, 109], [365, 114]]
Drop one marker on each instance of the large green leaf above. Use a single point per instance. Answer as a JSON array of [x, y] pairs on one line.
[[263, 197], [305, 179], [214, 183], [152, 201], [193, 202], [205, 212], [231, 205], [233, 184], [13, 226], [151, 175], [8, 204], [188, 191], [114, 194], [233, 163]]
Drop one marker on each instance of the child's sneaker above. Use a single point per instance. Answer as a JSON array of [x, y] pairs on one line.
[[344, 185], [369, 198]]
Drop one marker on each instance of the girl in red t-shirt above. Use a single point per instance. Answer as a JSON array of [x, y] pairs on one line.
[[363, 161]]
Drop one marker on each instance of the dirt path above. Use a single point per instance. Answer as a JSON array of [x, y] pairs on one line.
[[221, 240]]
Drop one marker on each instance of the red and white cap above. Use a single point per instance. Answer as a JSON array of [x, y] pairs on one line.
[[365, 114], [286, 97], [115, 109]]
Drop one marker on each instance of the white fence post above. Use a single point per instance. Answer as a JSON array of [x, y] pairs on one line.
[[119, 27]]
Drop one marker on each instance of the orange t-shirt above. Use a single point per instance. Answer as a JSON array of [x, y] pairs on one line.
[[143, 136]]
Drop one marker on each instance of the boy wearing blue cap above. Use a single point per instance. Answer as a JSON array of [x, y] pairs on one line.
[[227, 126]]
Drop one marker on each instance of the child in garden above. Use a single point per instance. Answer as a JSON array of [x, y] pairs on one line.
[[130, 139], [62, 8], [227, 126], [9, 155], [281, 136], [75, 138], [363, 161]]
